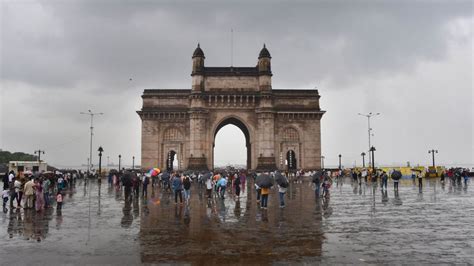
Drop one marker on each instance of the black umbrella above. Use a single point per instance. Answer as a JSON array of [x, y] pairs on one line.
[[165, 176], [264, 181], [396, 175], [281, 180], [317, 176]]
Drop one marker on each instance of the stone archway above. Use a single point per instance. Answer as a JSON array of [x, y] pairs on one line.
[[187, 120], [241, 125]]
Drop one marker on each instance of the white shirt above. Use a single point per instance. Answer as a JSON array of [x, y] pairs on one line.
[[10, 177], [208, 183]]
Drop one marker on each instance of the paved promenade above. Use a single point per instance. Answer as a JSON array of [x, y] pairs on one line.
[[356, 224]]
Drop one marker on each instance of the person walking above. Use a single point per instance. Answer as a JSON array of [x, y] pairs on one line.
[[187, 189], [209, 188], [222, 186], [177, 186], [146, 181], [282, 191], [265, 191], [259, 192], [317, 184], [29, 193], [5, 195], [384, 180]]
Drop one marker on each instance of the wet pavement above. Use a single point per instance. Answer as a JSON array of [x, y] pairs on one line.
[[356, 225]]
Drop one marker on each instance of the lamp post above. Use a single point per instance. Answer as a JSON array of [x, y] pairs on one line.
[[39, 154], [363, 159], [133, 162], [340, 161], [433, 153], [369, 129], [322, 162], [120, 157], [372, 149], [91, 114], [100, 150]]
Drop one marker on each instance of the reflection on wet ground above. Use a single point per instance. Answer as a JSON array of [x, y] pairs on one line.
[[357, 224]]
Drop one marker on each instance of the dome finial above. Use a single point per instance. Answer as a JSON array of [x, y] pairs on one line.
[[264, 52], [198, 52]]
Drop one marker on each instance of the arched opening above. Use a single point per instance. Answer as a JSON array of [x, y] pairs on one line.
[[172, 162], [232, 149], [291, 160]]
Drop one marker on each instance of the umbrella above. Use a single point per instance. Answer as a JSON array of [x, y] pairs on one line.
[[264, 181], [281, 180], [165, 176], [154, 171], [206, 176], [317, 176], [396, 175], [48, 174]]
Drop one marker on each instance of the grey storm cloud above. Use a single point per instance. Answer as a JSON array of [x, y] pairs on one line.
[[59, 58], [108, 41]]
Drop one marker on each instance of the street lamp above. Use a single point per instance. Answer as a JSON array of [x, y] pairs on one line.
[[322, 162], [100, 150], [369, 115], [133, 162], [363, 159], [372, 149], [91, 114], [433, 153], [340, 161], [120, 157], [39, 154]]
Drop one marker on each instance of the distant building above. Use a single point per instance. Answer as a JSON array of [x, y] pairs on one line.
[[22, 166]]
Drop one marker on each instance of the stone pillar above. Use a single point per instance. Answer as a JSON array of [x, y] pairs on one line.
[[150, 144], [266, 141], [197, 140]]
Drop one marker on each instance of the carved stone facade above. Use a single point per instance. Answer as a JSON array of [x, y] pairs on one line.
[[278, 124]]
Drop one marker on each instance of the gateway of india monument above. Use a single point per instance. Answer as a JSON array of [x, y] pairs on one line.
[[282, 127]]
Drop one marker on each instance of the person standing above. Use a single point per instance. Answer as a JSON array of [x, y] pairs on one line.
[[237, 186], [46, 186], [39, 197], [187, 189], [18, 192], [11, 187], [177, 186], [420, 181], [29, 193], [59, 201]]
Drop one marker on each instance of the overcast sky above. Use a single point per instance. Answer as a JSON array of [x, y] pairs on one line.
[[409, 60]]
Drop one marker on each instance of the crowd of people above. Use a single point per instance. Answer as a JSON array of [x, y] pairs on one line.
[[37, 191]]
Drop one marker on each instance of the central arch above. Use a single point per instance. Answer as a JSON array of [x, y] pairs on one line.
[[238, 123]]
